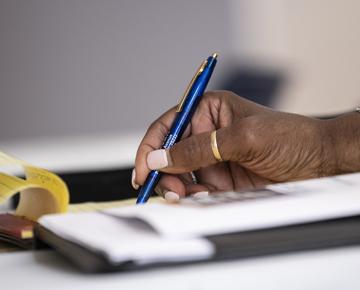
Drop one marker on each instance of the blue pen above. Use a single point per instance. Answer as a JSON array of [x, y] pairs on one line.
[[185, 110]]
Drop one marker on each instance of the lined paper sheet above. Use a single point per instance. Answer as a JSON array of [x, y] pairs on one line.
[[93, 206]]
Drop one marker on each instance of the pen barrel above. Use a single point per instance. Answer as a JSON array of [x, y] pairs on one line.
[[183, 117], [179, 125], [149, 186]]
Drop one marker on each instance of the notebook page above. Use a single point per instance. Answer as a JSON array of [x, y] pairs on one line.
[[94, 206], [277, 205], [122, 241]]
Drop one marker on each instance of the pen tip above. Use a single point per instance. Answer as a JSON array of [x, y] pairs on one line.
[[215, 54]]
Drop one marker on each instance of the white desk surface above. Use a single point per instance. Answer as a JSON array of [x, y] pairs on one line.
[[76, 153], [326, 269]]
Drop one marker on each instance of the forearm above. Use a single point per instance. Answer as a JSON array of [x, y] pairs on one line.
[[345, 135]]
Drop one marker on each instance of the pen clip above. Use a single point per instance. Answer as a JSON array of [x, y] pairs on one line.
[[183, 98]]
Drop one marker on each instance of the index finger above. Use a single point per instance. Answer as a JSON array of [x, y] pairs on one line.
[[153, 139]]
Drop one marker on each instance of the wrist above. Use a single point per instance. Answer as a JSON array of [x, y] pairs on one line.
[[344, 133]]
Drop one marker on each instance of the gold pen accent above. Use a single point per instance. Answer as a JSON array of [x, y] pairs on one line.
[[183, 98], [199, 71]]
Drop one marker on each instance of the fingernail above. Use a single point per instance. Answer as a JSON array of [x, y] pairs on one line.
[[201, 194], [133, 183], [157, 159], [172, 196]]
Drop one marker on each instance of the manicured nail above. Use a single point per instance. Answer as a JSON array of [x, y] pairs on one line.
[[201, 194], [133, 183], [171, 196], [157, 159]]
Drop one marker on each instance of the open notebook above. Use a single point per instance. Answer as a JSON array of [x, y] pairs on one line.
[[282, 217]]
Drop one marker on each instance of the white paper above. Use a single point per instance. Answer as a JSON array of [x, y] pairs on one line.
[[122, 241], [167, 232], [303, 201]]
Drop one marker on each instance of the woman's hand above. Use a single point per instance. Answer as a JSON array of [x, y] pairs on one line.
[[258, 146]]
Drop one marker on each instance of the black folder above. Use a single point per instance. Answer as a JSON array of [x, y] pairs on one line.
[[246, 244]]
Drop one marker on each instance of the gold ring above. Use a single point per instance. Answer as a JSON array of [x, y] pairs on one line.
[[214, 147]]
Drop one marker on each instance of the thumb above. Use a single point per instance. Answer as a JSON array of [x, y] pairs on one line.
[[191, 153]]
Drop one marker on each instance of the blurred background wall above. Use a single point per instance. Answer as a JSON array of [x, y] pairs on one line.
[[315, 43], [84, 66]]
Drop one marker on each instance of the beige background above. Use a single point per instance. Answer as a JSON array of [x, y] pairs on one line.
[[315, 41]]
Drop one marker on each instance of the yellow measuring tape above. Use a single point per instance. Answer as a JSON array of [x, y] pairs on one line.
[[42, 192]]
